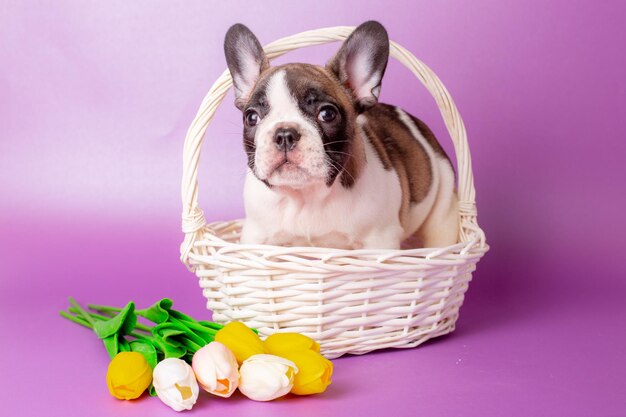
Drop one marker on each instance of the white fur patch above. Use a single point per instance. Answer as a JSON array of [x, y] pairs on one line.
[[364, 216], [308, 158]]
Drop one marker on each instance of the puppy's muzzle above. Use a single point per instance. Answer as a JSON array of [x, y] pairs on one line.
[[286, 139]]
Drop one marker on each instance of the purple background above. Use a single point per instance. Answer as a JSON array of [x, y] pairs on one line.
[[95, 100]]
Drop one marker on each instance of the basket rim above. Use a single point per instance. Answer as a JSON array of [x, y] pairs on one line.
[[194, 224], [467, 250]]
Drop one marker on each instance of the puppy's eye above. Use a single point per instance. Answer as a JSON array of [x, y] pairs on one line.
[[252, 118], [327, 114]]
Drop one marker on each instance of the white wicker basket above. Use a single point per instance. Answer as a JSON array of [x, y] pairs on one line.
[[350, 301]]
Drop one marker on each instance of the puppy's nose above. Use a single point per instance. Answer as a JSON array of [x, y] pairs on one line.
[[285, 138]]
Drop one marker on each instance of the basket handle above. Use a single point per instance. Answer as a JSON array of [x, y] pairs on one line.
[[193, 220]]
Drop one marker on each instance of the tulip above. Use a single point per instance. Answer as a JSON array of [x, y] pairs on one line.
[[242, 341], [175, 384], [128, 375], [266, 377], [314, 372], [282, 343], [215, 367]]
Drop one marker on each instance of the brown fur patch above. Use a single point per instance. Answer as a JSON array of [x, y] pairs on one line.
[[429, 135], [355, 163], [396, 147]]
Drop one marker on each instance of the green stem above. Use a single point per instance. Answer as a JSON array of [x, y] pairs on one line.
[[205, 326], [98, 307], [199, 327], [81, 321], [82, 312], [143, 327], [189, 332], [93, 315], [109, 314], [138, 326], [190, 344], [211, 325], [75, 319], [140, 336]]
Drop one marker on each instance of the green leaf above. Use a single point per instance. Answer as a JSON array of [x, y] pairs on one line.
[[159, 312], [168, 332], [147, 349], [169, 350], [181, 316], [122, 324], [190, 328], [124, 345], [192, 347], [111, 345]]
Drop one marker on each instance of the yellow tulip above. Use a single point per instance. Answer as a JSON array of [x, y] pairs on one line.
[[283, 343], [242, 341], [128, 375], [314, 372]]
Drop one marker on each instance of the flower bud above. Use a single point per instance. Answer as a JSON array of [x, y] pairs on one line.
[[128, 375], [266, 377], [314, 372], [175, 384], [281, 343], [242, 341], [216, 369]]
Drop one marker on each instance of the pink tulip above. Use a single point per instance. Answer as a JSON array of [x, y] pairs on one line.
[[215, 367]]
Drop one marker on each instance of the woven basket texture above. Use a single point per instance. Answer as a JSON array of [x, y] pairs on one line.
[[350, 301]]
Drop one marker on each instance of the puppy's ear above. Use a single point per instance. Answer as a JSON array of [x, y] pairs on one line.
[[361, 61], [246, 60]]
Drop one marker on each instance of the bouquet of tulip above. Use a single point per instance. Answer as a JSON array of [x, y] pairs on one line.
[[179, 354]]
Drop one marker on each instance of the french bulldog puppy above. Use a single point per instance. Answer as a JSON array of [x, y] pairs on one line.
[[328, 165]]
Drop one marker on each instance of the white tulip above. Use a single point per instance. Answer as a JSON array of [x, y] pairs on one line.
[[216, 367], [175, 384], [266, 377]]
